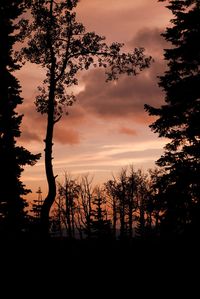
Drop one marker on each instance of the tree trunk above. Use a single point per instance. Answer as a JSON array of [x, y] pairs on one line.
[[49, 200], [73, 221], [130, 219], [122, 220], [142, 218], [114, 218], [68, 216]]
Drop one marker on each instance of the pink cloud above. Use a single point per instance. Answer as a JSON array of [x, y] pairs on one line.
[[152, 40], [119, 20], [34, 128], [28, 136], [66, 136], [126, 97], [127, 131]]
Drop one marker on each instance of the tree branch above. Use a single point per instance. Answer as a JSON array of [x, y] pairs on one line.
[[57, 120], [66, 54], [88, 53], [53, 58]]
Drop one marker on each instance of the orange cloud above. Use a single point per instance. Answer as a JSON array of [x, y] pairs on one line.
[[127, 131], [66, 136]]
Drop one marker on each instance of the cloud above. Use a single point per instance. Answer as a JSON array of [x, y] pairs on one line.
[[34, 127], [66, 136], [28, 136], [33, 123], [127, 131], [127, 96], [119, 20], [152, 40], [147, 153]]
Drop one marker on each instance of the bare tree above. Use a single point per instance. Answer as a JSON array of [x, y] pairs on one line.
[[86, 195], [117, 189], [112, 200], [132, 203], [69, 193]]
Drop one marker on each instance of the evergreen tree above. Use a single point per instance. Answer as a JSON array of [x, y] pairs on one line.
[[178, 119], [101, 226], [12, 157]]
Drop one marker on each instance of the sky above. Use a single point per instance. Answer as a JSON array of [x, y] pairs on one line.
[[107, 127]]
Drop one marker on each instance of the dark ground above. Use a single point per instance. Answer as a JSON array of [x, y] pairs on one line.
[[96, 269]]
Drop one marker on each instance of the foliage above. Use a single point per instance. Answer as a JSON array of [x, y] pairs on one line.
[[178, 119], [13, 158], [59, 39]]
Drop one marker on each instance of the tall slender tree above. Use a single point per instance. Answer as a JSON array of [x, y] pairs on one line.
[[63, 47], [178, 118], [12, 157]]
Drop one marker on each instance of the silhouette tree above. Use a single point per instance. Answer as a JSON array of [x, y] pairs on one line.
[[58, 215], [134, 200], [123, 191], [155, 206], [34, 216], [133, 184], [63, 47], [178, 119], [101, 225], [37, 205], [142, 186], [69, 192], [85, 204], [112, 200], [12, 157]]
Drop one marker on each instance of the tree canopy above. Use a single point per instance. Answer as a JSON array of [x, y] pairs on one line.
[[178, 118], [12, 157]]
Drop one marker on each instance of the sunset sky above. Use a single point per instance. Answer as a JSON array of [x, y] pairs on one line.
[[107, 127]]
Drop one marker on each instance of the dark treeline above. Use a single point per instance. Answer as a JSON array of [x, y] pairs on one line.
[[123, 208], [128, 206], [161, 204]]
